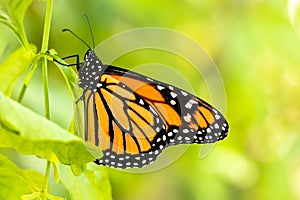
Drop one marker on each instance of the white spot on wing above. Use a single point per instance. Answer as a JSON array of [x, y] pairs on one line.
[[185, 131], [172, 102], [188, 105], [192, 101], [153, 111], [217, 126], [159, 87], [141, 102], [187, 118], [173, 94], [184, 93]]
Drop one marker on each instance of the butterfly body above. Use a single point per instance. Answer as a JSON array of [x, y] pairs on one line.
[[133, 118]]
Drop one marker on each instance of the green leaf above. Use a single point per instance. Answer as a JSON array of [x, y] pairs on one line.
[[92, 184], [15, 182], [12, 14], [13, 67], [68, 73], [32, 134], [78, 169]]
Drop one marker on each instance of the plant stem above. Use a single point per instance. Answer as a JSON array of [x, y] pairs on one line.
[[47, 176], [21, 95], [46, 92], [46, 32], [44, 48]]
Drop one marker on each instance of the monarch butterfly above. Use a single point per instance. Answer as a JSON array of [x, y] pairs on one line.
[[133, 118]]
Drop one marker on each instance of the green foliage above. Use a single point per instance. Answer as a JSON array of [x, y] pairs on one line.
[[31, 134], [68, 73], [92, 184], [40, 137], [22, 182], [13, 67], [256, 48], [12, 14]]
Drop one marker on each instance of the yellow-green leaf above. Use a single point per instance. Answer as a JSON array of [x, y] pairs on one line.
[[22, 181], [92, 184], [12, 14], [30, 133], [13, 67]]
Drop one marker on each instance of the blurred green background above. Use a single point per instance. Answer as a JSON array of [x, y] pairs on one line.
[[255, 45]]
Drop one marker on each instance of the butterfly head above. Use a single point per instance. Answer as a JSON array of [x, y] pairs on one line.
[[90, 70]]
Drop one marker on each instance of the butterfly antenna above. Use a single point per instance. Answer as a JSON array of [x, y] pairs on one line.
[[68, 30], [91, 30]]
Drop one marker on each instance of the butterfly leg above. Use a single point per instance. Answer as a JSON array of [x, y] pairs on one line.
[[68, 57]]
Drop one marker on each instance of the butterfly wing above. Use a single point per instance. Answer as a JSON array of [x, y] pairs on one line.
[[133, 118]]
